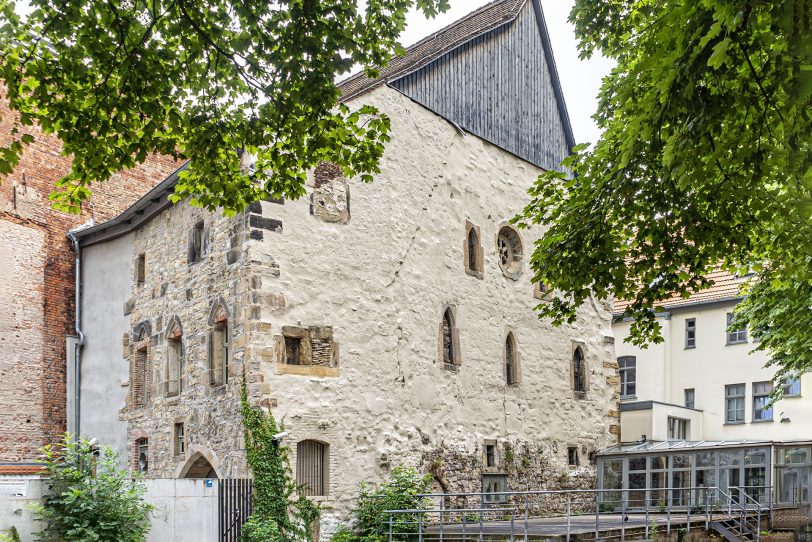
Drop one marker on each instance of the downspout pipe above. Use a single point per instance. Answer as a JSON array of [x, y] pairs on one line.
[[77, 348]]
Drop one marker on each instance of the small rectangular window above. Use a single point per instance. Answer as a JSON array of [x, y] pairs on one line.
[[197, 242], [490, 455], [572, 456], [141, 269], [677, 428], [690, 333], [142, 455], [792, 386], [735, 336], [690, 398], [293, 350], [180, 439], [734, 403], [762, 408], [494, 488], [627, 365]]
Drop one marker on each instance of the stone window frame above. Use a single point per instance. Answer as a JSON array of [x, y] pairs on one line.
[[478, 270], [515, 378], [456, 357], [140, 269], [219, 321], [198, 246], [179, 451], [584, 369], [542, 291], [490, 449], [324, 448], [140, 366], [174, 339], [573, 456], [512, 237], [305, 334]]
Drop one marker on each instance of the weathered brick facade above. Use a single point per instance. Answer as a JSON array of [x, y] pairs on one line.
[[37, 285]]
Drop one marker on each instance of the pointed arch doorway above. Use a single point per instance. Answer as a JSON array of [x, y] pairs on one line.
[[198, 466]]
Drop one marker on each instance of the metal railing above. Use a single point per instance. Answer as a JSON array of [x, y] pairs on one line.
[[608, 513]]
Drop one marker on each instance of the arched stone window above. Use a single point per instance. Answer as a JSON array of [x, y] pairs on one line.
[[312, 467], [449, 353], [579, 383], [510, 252], [511, 360], [174, 359], [474, 259], [219, 352]]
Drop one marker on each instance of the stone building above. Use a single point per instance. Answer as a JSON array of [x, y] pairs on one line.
[[385, 323], [37, 288]]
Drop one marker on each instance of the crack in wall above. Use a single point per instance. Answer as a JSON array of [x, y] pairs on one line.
[[423, 212]]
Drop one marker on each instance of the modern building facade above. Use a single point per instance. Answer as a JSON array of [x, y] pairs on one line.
[[385, 323], [696, 409]]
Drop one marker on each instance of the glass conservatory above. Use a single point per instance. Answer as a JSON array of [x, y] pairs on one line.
[[699, 474]]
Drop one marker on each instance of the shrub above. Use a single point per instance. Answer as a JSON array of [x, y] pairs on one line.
[[400, 492], [89, 497]]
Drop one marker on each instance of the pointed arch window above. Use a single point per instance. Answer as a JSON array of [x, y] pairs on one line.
[[579, 383], [474, 259], [449, 341], [511, 361], [174, 359]]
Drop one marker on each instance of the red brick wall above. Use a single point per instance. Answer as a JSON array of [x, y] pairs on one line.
[[39, 285]]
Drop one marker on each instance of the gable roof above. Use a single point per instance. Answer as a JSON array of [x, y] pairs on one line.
[[478, 22], [726, 287]]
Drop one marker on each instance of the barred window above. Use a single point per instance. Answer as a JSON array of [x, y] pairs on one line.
[[142, 455], [312, 467]]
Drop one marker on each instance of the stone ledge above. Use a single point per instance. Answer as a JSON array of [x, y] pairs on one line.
[[306, 370]]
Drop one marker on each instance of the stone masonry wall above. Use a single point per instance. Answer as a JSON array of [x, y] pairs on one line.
[[379, 281], [37, 285]]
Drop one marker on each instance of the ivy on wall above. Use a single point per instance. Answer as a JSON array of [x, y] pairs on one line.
[[281, 511]]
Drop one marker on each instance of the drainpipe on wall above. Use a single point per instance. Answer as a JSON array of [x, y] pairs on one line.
[[77, 348]]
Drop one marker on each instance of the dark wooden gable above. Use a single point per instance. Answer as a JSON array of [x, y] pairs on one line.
[[500, 86]]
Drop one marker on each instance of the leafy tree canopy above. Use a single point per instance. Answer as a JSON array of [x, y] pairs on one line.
[[117, 80], [704, 162]]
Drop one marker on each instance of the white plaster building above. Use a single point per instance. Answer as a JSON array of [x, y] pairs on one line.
[[701, 400], [385, 323], [704, 382]]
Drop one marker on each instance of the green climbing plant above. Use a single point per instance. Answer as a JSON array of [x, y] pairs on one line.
[[281, 510]]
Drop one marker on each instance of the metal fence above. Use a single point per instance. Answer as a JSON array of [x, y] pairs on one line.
[[234, 505]]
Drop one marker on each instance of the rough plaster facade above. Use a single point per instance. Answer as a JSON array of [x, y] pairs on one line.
[[37, 284], [372, 286]]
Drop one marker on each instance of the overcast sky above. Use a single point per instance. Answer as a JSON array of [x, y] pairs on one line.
[[580, 80]]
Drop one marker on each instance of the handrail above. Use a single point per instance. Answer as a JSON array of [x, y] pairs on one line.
[[690, 503]]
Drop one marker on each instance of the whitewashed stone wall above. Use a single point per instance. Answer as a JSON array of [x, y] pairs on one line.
[[378, 264]]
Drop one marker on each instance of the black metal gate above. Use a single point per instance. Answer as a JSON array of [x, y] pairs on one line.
[[234, 506]]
